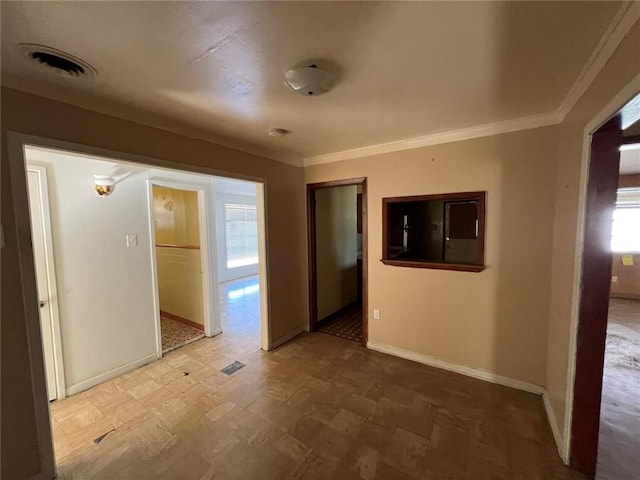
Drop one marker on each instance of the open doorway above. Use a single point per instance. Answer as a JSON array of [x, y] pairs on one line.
[[619, 435], [606, 418], [118, 271], [176, 223], [337, 237], [238, 261]]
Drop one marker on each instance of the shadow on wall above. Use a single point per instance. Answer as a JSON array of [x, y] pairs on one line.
[[336, 248], [524, 203]]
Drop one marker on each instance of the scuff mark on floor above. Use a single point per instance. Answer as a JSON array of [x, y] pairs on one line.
[[103, 436]]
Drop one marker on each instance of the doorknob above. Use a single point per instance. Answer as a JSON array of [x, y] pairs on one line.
[[42, 303]]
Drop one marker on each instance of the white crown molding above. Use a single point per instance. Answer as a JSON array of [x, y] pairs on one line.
[[622, 22], [506, 126], [627, 16]]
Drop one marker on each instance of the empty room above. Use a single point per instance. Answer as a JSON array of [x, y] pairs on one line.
[[313, 240]]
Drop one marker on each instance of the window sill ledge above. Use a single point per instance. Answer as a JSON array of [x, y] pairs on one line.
[[460, 267]]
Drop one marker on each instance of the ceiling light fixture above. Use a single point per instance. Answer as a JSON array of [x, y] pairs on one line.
[[278, 132], [104, 185], [309, 81]]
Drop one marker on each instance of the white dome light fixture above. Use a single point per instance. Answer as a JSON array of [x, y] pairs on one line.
[[278, 132], [309, 81], [104, 185]]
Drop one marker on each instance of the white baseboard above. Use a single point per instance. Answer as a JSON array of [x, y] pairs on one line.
[[482, 375], [555, 428], [286, 337], [452, 367], [103, 377], [215, 332]]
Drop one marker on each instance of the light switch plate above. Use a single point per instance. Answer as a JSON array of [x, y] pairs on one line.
[[132, 240], [376, 314]]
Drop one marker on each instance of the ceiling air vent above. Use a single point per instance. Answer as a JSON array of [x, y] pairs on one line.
[[58, 61]]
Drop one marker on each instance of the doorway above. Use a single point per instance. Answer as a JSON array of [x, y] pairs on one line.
[[238, 261], [619, 434], [45, 278], [600, 387], [181, 293], [337, 249]]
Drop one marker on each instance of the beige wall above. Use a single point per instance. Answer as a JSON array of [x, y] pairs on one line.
[[336, 248], [628, 277], [495, 320], [619, 71], [175, 216], [97, 276], [176, 222], [180, 282], [286, 244]]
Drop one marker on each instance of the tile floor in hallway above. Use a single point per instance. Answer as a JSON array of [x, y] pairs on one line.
[[347, 323], [240, 308], [176, 334], [318, 407]]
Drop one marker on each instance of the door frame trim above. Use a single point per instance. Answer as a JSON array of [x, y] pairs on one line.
[[594, 297], [16, 142], [311, 250], [208, 258], [54, 308], [620, 99]]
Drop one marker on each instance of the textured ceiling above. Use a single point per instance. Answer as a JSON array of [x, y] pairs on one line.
[[214, 69]]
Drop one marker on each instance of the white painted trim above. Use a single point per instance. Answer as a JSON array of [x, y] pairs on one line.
[[627, 15], [263, 268], [481, 375], [622, 22], [286, 337], [506, 126], [610, 109], [208, 260], [15, 146], [18, 179], [103, 377], [452, 367], [154, 271], [54, 310], [555, 428]]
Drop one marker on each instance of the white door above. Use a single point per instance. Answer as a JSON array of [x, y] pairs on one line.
[[44, 295]]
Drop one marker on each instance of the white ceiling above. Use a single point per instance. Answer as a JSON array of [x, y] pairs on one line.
[[630, 160], [214, 69]]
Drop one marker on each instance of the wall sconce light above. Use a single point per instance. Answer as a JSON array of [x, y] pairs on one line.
[[104, 185]]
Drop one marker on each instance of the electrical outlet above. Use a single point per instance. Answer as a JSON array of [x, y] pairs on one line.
[[376, 314], [132, 240], [614, 279]]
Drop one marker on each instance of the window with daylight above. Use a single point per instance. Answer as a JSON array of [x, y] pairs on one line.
[[625, 229], [241, 234]]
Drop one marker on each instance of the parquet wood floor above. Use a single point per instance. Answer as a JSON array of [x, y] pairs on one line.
[[319, 407]]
